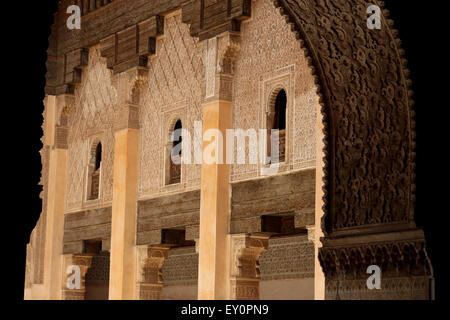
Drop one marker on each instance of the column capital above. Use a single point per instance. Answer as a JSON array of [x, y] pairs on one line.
[[126, 117], [59, 108], [246, 248], [221, 54], [83, 262], [245, 274], [129, 85]]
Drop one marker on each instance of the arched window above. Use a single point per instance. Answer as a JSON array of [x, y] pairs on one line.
[[174, 161], [94, 172], [277, 121]]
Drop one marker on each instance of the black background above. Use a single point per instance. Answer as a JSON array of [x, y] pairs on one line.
[[26, 40]]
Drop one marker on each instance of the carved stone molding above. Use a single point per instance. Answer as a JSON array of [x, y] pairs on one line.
[[150, 260], [83, 262], [245, 273]]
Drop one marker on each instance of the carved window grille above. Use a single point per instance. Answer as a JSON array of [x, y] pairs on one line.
[[277, 121]]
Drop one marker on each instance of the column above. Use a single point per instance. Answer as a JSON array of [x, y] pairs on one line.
[[124, 207], [215, 185], [150, 262], [245, 251], [57, 111]]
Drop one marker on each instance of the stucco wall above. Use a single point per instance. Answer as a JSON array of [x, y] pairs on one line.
[[271, 58]]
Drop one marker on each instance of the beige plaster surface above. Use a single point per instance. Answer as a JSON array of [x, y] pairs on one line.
[[179, 293], [298, 289]]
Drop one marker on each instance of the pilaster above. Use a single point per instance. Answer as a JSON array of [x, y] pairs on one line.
[[220, 53], [58, 108], [124, 207]]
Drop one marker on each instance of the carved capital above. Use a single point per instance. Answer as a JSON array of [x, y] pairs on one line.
[[83, 262], [149, 273], [64, 106], [130, 84], [245, 273], [229, 47], [126, 117]]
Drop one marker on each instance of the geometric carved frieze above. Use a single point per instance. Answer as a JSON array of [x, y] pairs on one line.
[[288, 258]]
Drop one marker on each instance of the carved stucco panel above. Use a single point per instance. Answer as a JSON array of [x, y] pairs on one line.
[[269, 50], [92, 119], [176, 77]]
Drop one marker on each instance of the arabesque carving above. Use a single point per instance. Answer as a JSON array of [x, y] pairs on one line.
[[150, 260]]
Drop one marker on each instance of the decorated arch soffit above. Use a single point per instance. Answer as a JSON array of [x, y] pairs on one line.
[[365, 95]]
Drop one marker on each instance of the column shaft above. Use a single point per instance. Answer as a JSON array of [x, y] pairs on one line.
[[214, 210], [55, 222], [56, 140], [124, 215]]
